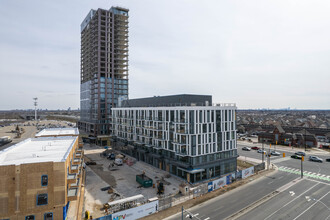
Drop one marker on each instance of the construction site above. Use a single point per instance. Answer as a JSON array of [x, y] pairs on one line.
[[112, 176]]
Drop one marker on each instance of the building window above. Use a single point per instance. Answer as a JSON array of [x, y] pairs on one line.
[[29, 217], [48, 216], [44, 180], [42, 199]]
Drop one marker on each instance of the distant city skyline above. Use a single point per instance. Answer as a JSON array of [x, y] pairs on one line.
[[258, 55]]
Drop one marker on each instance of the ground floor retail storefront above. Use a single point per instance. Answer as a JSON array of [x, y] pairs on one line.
[[184, 168]]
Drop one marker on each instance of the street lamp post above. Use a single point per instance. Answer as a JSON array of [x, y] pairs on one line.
[[263, 155], [190, 215], [305, 139], [302, 173]]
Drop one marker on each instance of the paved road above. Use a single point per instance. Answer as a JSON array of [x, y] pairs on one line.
[[314, 167], [305, 200], [318, 175], [233, 201]]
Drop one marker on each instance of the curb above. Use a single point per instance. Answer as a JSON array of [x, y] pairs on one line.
[[252, 206], [249, 180], [257, 203]]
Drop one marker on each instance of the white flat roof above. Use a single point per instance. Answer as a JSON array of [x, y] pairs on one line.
[[58, 131], [37, 150]]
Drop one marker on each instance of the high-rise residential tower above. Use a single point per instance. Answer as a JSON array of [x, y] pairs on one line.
[[104, 68]]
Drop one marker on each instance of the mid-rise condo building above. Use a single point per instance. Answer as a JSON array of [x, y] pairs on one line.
[[183, 134]]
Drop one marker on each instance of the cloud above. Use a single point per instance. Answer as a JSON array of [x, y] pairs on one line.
[[259, 54]]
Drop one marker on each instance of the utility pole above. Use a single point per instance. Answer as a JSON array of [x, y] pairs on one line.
[[305, 139], [302, 173], [182, 213], [268, 158], [263, 154], [35, 108]]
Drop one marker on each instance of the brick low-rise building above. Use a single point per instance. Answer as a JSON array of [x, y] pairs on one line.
[[39, 177]]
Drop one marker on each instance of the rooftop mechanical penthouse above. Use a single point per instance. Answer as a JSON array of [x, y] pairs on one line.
[[183, 134]]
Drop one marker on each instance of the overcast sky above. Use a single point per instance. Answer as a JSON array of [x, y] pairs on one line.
[[257, 54]]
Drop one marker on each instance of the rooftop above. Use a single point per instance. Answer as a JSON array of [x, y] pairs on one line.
[[58, 132], [171, 100], [37, 150]]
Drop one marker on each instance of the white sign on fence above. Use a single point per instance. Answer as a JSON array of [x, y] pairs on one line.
[[216, 184], [247, 172], [137, 212]]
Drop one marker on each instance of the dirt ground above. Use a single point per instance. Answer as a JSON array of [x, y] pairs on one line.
[[241, 165], [30, 130], [94, 196], [123, 178]]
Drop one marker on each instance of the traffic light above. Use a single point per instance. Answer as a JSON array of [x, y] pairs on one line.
[[283, 154], [302, 158]]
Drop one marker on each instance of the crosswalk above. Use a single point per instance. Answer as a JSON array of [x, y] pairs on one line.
[[306, 173]]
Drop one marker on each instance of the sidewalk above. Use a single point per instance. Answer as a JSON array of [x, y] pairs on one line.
[[236, 186], [258, 161], [315, 151]]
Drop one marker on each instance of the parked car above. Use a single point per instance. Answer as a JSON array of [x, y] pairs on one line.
[[261, 151], [105, 188], [328, 159], [275, 153], [300, 153], [255, 148], [295, 156], [315, 159], [246, 148]]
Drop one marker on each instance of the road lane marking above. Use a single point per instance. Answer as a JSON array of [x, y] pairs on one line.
[[318, 181], [280, 177], [292, 193], [291, 201], [308, 174], [311, 205], [207, 218]]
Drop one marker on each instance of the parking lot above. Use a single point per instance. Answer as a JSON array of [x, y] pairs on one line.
[[30, 128]]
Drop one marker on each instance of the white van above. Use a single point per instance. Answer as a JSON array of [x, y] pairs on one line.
[[118, 162]]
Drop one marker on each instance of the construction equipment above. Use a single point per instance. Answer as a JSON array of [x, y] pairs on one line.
[[160, 188], [5, 140], [18, 132]]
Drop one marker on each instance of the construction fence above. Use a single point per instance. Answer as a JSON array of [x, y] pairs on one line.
[[202, 189], [173, 200]]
